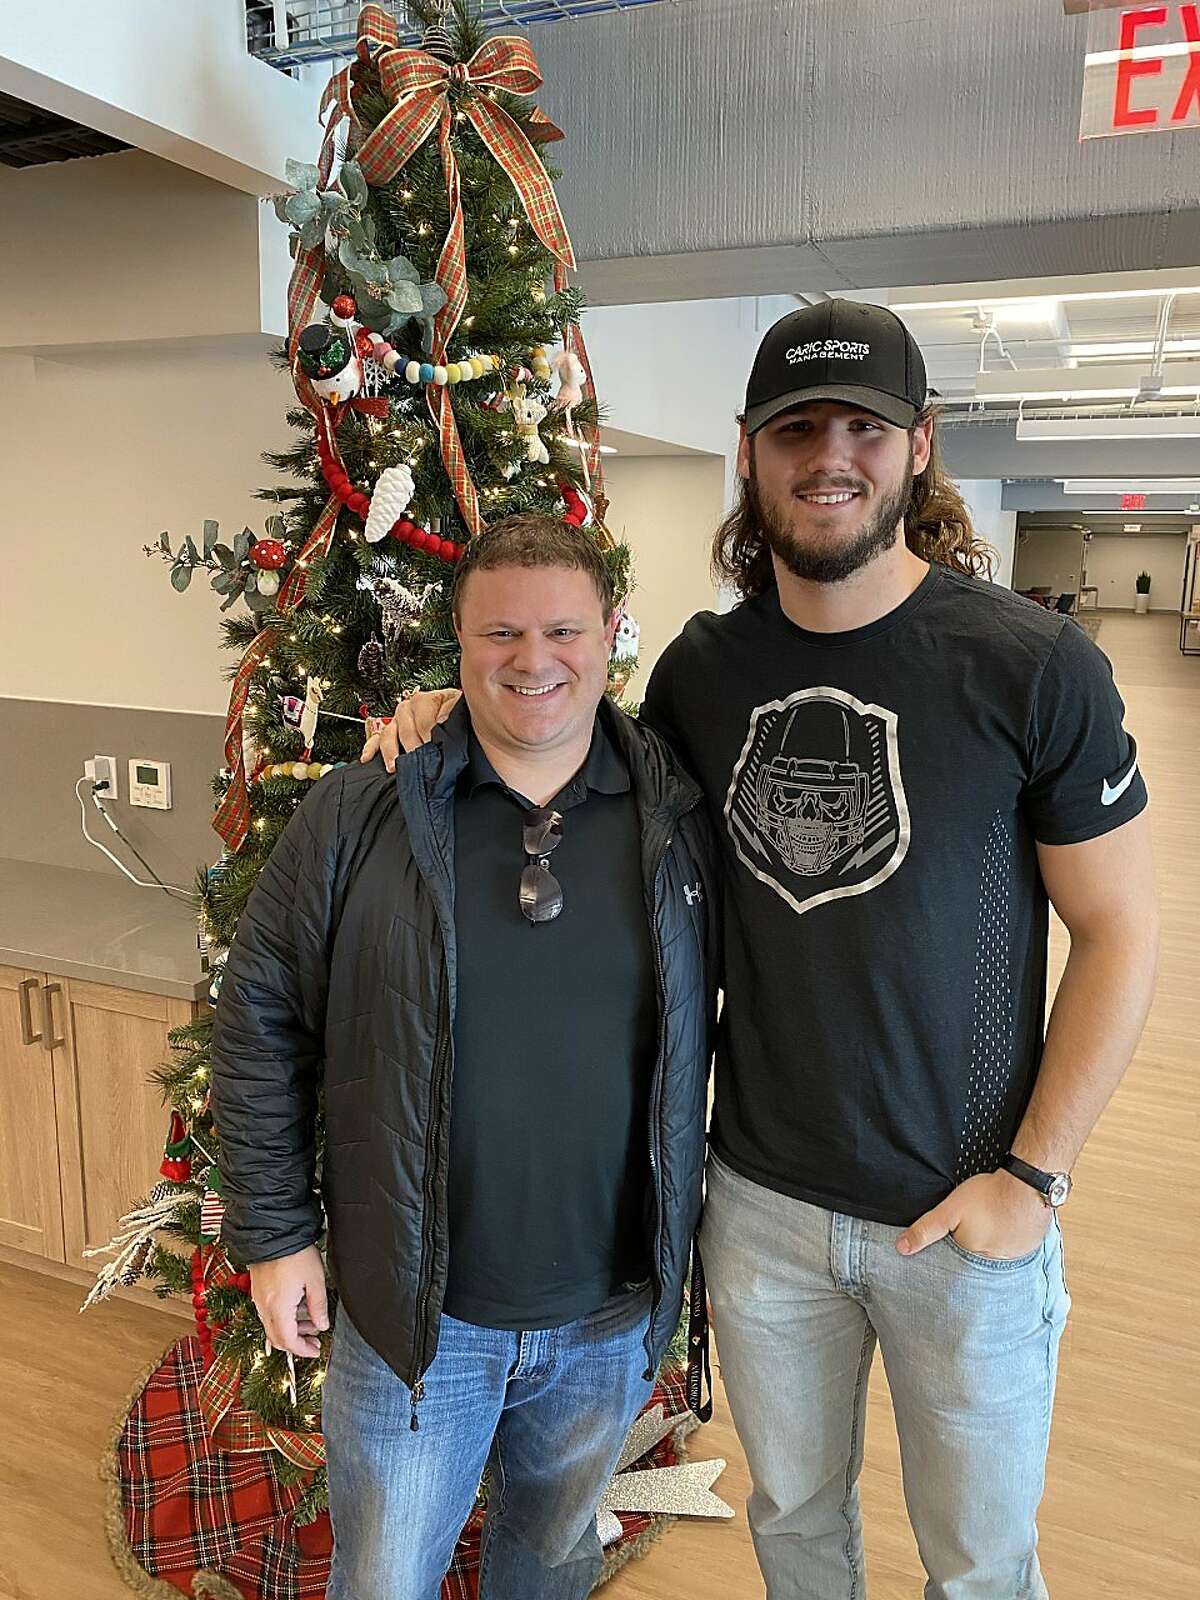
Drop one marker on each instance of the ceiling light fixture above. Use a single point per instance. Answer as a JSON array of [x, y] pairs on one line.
[[581, 444], [1119, 486], [1087, 383], [975, 302], [1046, 430]]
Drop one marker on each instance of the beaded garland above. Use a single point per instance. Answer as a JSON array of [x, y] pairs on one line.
[[298, 769], [373, 346]]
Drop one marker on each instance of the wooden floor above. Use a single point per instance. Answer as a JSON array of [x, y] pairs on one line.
[[1121, 1517]]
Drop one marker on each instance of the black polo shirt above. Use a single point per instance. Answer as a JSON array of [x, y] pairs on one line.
[[554, 1046]]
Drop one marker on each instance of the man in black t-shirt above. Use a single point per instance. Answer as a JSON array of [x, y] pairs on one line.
[[905, 766]]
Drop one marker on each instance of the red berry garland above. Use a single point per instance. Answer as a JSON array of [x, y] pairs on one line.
[[403, 529], [204, 1329]]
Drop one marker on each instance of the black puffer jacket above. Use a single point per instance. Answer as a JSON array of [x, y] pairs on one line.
[[344, 973]]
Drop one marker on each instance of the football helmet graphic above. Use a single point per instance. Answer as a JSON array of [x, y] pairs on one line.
[[811, 809]]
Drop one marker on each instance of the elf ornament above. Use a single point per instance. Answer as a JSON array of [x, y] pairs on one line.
[[393, 491], [177, 1153], [579, 507]]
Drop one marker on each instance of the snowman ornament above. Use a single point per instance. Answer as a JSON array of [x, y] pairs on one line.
[[329, 358]]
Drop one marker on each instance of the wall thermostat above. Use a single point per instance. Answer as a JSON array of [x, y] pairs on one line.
[[150, 783]]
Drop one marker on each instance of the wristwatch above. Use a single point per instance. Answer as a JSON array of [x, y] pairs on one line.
[[1054, 1187]]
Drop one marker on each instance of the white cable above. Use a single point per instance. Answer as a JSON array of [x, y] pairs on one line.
[[169, 888]]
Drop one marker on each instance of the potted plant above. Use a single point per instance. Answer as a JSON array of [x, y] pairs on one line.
[[1141, 600]]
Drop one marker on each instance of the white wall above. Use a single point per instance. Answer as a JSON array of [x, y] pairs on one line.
[[997, 526], [169, 76], [667, 508], [99, 457], [1114, 561]]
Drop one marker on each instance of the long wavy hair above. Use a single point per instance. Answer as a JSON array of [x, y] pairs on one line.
[[937, 527]]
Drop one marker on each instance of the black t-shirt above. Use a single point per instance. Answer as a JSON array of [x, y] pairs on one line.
[[879, 794], [554, 1046]]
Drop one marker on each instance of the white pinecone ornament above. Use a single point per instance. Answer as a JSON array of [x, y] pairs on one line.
[[393, 491]]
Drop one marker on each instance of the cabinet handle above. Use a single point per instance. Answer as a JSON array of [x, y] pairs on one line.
[[27, 1034], [49, 1042]]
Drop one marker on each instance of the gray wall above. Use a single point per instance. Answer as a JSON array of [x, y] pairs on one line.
[[46, 744], [849, 143]]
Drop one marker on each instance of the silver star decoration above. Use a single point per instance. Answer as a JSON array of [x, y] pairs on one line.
[[682, 1491]]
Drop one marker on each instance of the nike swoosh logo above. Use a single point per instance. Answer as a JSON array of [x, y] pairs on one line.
[[1111, 793]]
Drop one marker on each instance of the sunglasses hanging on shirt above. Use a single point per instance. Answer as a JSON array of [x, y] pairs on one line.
[[541, 892]]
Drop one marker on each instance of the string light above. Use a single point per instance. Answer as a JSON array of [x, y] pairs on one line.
[[406, 194]]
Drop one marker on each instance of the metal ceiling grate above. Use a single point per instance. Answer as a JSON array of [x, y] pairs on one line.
[[289, 36], [30, 136]]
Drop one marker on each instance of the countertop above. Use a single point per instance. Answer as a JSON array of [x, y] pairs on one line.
[[98, 927]]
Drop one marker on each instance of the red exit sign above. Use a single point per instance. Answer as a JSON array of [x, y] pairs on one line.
[[1133, 502], [1141, 73]]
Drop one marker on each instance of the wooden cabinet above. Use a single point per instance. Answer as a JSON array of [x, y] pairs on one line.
[[81, 1125], [30, 1189]]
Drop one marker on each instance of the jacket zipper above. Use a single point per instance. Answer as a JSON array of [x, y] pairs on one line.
[[659, 1075], [428, 1223]]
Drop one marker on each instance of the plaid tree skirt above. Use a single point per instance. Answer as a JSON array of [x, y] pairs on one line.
[[187, 1519]]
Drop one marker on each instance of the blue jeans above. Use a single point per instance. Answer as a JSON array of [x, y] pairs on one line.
[[801, 1296], [546, 1411]]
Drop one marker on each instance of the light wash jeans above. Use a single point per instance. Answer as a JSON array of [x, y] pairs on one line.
[[547, 1411], [801, 1296]]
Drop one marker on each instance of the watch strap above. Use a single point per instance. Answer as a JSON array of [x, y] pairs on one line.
[[1043, 1182]]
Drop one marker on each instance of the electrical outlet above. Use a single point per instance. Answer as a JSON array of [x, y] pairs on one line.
[[103, 769]]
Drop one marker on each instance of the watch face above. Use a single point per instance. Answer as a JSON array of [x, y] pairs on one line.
[[1059, 1189]]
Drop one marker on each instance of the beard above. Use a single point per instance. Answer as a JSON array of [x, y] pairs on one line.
[[817, 560]]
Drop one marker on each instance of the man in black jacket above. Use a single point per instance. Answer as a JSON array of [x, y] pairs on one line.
[[494, 963]]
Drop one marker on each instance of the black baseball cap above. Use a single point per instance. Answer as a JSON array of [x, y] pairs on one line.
[[839, 350]]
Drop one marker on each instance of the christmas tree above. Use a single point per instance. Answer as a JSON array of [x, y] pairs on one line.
[[430, 281]]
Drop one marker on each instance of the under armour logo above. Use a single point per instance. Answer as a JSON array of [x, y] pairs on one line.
[[692, 895]]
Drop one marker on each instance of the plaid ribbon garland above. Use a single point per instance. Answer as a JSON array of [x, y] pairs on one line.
[[231, 1427], [573, 340], [315, 547], [232, 817]]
